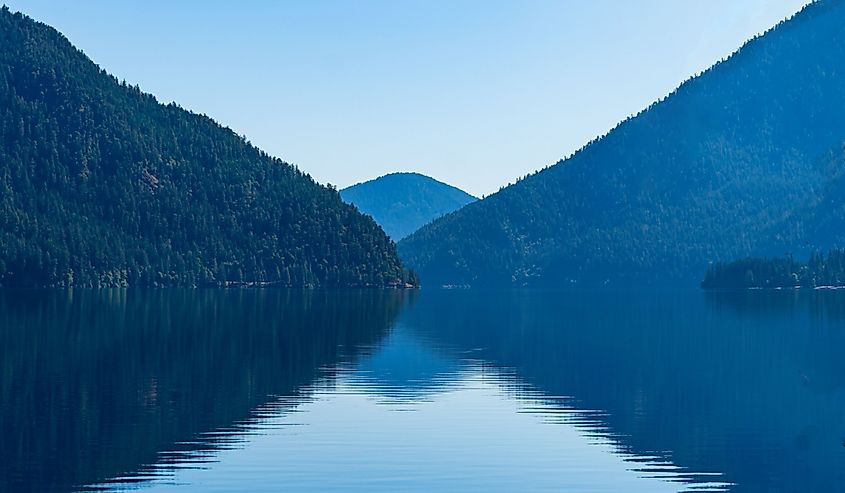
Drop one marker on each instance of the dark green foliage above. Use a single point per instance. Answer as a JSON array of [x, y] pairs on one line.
[[100, 185], [404, 202], [778, 272], [737, 161]]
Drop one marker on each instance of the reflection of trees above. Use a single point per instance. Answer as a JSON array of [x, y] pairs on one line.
[[710, 386], [95, 383], [821, 304]]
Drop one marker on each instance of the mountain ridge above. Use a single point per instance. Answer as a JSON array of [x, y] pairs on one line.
[[402, 202], [710, 172], [105, 186]]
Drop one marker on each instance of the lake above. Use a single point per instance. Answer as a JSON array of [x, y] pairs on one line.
[[436, 390]]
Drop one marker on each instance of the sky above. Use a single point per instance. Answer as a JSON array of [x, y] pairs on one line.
[[476, 93]]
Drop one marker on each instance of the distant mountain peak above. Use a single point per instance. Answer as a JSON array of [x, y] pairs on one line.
[[400, 175], [402, 202]]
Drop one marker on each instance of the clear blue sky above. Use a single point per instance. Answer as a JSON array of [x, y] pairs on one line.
[[475, 93]]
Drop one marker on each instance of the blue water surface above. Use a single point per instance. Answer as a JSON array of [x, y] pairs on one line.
[[436, 390]]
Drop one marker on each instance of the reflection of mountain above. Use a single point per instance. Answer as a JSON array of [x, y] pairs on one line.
[[713, 387], [406, 367], [94, 384]]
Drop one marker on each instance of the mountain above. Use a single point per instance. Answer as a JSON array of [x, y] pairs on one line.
[[744, 159], [104, 186], [403, 202]]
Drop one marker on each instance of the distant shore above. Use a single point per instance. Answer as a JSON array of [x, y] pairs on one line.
[[820, 271]]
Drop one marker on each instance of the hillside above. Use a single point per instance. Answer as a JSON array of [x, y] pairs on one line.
[[103, 186], [404, 202], [744, 159]]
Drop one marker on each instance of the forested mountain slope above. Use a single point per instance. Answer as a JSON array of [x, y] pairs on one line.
[[100, 185], [745, 159], [403, 202]]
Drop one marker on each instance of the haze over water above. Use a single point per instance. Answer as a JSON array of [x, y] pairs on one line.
[[262, 390]]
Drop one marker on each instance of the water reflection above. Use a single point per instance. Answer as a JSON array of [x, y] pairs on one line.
[[751, 385], [474, 435], [447, 391], [95, 384]]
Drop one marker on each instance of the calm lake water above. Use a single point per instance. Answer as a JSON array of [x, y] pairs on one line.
[[269, 390]]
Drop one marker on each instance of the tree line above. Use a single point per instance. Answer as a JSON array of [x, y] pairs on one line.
[[101, 185], [778, 272]]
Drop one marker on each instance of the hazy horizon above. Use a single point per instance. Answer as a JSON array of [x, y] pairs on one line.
[[349, 92]]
